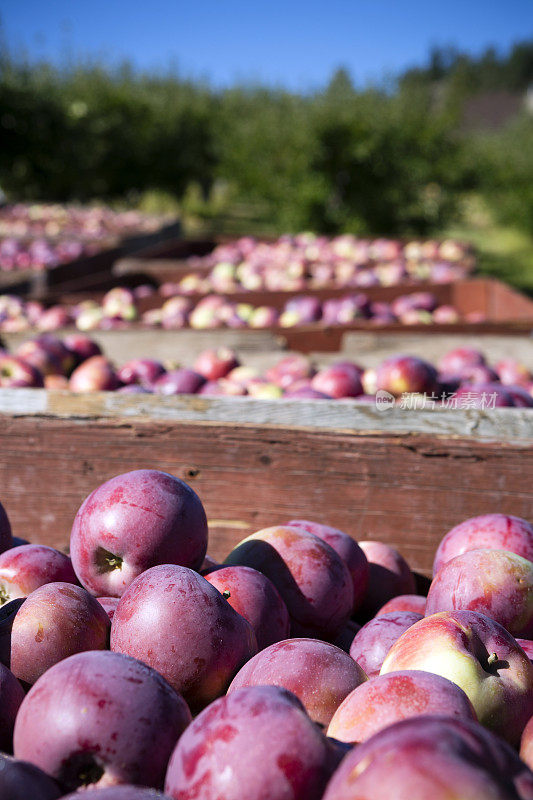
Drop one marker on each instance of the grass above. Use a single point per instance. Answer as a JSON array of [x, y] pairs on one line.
[[503, 252]]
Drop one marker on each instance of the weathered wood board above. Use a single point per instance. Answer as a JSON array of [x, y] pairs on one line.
[[403, 477]]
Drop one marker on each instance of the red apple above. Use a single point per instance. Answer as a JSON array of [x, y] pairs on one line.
[[96, 374], [496, 531], [108, 720], [386, 699], [81, 347], [373, 641], [401, 374], [404, 602], [215, 364], [255, 598], [170, 610], [32, 352], [527, 647], [389, 576], [455, 362], [338, 381], [23, 569], [319, 674], [54, 622], [143, 371], [179, 381], [481, 657], [132, 522], [311, 578], [16, 372], [347, 548], [432, 757], [287, 756], [496, 583]]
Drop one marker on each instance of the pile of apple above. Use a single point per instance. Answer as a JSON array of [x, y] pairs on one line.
[[296, 263], [40, 254], [120, 307], [41, 236], [77, 363], [305, 667], [54, 220], [215, 311]]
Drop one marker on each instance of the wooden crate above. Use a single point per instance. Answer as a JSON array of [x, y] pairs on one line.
[[399, 476], [85, 274]]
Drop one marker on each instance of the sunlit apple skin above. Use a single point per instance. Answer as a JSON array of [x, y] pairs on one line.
[[255, 598], [404, 602], [255, 743], [347, 548], [389, 576], [496, 583], [109, 720], [337, 381], [311, 578], [374, 640], [215, 364], [170, 610], [386, 699], [6, 536], [432, 757], [480, 656], [456, 361], [318, 673], [20, 780], [96, 374], [401, 374], [133, 522], [23, 569], [11, 696], [56, 621], [527, 647], [497, 531]]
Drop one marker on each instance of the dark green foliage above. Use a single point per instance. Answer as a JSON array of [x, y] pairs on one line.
[[386, 161]]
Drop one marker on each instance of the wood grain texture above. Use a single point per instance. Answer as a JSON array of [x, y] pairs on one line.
[[406, 489], [506, 425]]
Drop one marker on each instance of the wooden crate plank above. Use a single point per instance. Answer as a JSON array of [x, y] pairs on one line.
[[406, 490]]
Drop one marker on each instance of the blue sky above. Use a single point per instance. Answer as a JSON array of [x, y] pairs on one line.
[[293, 43]]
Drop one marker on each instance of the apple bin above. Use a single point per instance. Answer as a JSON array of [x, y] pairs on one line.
[[307, 666]]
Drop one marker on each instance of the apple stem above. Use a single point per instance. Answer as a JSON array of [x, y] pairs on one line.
[[106, 561], [226, 593]]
